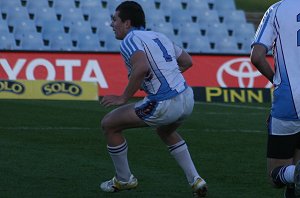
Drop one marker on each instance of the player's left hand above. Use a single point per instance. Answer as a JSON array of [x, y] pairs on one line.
[[112, 100]]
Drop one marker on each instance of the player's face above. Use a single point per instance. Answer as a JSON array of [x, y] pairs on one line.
[[119, 27]]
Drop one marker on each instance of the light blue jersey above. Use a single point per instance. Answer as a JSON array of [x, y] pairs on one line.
[[280, 30], [164, 80]]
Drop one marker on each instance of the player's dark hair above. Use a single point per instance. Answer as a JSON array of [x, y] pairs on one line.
[[131, 10]]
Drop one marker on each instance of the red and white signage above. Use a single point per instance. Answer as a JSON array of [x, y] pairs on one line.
[[225, 71], [109, 71]]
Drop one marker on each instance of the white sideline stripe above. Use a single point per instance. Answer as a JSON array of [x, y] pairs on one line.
[[226, 130], [227, 113], [234, 130], [46, 128], [87, 128], [232, 105]]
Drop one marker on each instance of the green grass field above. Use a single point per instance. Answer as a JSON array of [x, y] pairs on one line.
[[56, 149]]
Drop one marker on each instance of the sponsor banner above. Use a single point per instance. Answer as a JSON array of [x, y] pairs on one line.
[[109, 72], [226, 71], [49, 90], [232, 95]]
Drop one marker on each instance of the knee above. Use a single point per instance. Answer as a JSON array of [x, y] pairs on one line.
[[109, 125], [106, 125]]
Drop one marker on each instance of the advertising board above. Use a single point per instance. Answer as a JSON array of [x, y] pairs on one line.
[[49, 90], [109, 72]]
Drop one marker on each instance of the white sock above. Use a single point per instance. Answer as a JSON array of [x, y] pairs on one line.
[[181, 154], [118, 155], [289, 174]]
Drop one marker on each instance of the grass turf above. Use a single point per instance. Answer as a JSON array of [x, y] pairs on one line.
[[56, 149]]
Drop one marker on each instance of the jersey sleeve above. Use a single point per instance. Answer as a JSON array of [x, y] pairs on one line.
[[266, 32], [130, 45]]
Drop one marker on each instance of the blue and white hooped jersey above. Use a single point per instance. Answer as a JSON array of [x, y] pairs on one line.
[[280, 30], [164, 80]]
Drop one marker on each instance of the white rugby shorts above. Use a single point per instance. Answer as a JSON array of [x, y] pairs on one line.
[[159, 113]]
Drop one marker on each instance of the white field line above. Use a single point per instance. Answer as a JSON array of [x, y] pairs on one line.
[[45, 128], [227, 113], [234, 130], [225, 130], [86, 128]]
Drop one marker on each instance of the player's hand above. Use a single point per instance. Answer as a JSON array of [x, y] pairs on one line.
[[112, 100]]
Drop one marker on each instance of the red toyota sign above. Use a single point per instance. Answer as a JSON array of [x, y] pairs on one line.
[[109, 71], [225, 71]]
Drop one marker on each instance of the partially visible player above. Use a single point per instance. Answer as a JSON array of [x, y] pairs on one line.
[[154, 64], [280, 30]]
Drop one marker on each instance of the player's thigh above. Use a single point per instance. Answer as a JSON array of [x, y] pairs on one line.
[[167, 129], [121, 118]]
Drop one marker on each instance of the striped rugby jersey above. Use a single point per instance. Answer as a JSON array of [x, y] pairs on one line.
[[164, 80], [280, 30]]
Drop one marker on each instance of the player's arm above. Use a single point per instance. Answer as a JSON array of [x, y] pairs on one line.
[[258, 59], [140, 68], [184, 60]]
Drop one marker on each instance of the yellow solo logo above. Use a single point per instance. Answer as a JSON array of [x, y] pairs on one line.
[[60, 87], [11, 86]]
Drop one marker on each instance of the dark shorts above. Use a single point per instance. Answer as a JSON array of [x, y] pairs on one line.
[[282, 146]]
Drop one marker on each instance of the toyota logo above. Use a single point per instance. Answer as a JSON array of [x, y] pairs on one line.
[[242, 70]]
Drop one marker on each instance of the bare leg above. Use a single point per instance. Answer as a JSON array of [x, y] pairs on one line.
[[168, 134], [178, 150], [112, 124], [117, 120]]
